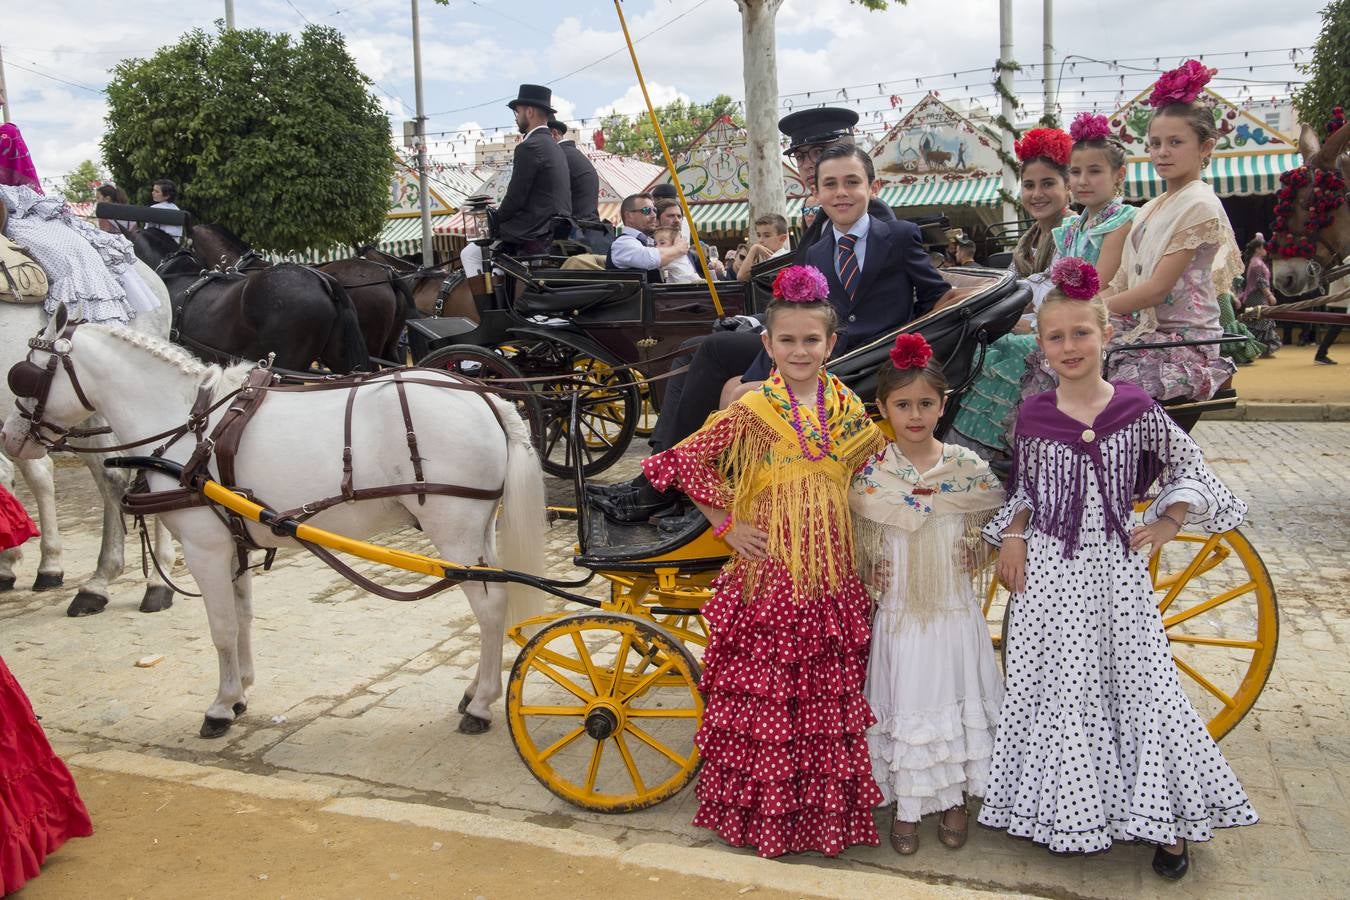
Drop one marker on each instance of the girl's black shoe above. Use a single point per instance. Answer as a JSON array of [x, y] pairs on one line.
[[1172, 865]]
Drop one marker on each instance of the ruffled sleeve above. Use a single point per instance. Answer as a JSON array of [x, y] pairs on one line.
[[1185, 477], [693, 464], [1018, 498]]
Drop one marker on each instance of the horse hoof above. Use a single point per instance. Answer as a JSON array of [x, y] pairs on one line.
[[157, 599], [214, 728], [45, 581], [239, 708], [6, 584], [86, 604], [464, 703], [471, 724]]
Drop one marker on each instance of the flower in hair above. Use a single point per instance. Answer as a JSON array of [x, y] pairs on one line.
[[1076, 278], [1089, 127], [1337, 121], [1048, 142], [1181, 85], [911, 351], [801, 284]]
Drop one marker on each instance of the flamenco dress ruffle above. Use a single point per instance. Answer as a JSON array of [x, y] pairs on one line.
[[786, 767], [39, 806]]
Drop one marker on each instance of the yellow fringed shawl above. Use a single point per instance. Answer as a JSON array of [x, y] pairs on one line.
[[800, 503]]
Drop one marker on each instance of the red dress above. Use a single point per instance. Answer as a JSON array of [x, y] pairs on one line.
[[785, 761]]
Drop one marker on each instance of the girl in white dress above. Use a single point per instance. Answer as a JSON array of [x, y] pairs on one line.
[[1096, 740], [932, 680]]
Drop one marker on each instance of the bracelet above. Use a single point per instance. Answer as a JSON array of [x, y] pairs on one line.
[[1013, 534], [722, 529], [1173, 519]]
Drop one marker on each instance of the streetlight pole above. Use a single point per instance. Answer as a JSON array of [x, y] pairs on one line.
[[423, 194], [4, 94], [1005, 77], [229, 15], [1048, 56]]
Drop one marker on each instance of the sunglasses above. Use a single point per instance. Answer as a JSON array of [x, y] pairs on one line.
[[645, 210], [810, 210]]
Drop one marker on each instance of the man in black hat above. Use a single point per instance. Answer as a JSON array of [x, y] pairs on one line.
[[539, 188], [585, 183]]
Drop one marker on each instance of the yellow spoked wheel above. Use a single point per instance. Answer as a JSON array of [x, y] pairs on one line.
[[1218, 606], [603, 708]]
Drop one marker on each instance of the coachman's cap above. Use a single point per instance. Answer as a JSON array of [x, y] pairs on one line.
[[816, 126], [534, 95]]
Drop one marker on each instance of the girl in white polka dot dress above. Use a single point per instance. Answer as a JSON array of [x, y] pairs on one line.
[[1096, 740], [785, 765], [932, 680]]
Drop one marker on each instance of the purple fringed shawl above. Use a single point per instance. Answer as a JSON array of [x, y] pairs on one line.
[[1058, 508]]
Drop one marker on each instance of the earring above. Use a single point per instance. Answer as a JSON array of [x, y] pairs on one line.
[[1204, 163]]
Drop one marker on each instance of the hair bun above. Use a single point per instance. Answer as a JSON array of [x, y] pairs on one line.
[[1181, 85], [1075, 278], [911, 351], [1051, 143]]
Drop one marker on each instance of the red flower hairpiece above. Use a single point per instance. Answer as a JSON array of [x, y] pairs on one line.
[[801, 284], [1089, 127], [1076, 278], [1181, 85], [911, 351], [1048, 142]]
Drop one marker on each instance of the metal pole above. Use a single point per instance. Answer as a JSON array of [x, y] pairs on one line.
[[1005, 55], [1048, 54], [4, 93], [423, 194], [670, 166], [229, 15]]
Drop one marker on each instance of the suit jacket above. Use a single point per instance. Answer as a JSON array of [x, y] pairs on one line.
[[539, 190], [875, 208], [897, 284], [585, 183]]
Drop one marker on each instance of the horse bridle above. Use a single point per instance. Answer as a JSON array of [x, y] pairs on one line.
[[1338, 269], [30, 381]]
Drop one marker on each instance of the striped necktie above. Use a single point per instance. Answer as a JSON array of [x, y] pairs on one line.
[[848, 265]]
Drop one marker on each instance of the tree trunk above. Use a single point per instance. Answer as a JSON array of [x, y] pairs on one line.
[[759, 59]]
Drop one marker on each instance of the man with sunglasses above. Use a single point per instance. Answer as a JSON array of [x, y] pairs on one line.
[[634, 247]]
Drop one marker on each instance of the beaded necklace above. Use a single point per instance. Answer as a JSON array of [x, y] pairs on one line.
[[825, 443]]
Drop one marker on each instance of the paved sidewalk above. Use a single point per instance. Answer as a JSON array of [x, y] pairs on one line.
[[358, 694]]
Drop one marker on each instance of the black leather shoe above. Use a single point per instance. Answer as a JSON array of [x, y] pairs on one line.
[[685, 520], [615, 490], [1172, 865], [1324, 360], [637, 506]]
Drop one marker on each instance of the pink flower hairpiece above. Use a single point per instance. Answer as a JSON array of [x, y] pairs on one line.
[[1089, 127], [1076, 278], [801, 284], [1181, 85], [911, 351]]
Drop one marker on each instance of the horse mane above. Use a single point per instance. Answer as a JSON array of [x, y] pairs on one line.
[[225, 235], [222, 379]]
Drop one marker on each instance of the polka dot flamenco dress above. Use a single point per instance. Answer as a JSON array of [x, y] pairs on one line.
[[1096, 741], [785, 761]]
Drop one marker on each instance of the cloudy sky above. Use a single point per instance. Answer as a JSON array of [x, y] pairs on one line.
[[475, 52]]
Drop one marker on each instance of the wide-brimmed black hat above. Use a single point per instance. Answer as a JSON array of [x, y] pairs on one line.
[[534, 95], [555, 125], [816, 126]]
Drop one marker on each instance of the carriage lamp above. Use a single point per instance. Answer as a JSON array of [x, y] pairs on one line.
[[477, 207]]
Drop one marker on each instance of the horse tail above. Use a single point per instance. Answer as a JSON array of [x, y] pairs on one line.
[[346, 342], [521, 522]]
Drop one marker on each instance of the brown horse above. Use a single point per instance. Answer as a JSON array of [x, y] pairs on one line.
[[1292, 277], [427, 284], [382, 299]]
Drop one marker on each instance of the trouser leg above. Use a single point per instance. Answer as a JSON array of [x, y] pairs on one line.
[[722, 356], [662, 434]]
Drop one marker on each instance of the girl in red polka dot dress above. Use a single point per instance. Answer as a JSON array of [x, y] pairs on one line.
[[786, 766]]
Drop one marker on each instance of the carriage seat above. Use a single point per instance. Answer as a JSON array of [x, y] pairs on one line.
[[573, 299], [644, 547], [1187, 412]]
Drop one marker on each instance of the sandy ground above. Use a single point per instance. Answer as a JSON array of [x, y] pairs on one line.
[[156, 839], [1292, 376]]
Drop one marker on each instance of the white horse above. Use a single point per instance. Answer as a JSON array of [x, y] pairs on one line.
[[18, 323], [290, 454]]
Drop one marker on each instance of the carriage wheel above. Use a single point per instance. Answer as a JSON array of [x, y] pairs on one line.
[[609, 417], [484, 364], [603, 708], [1218, 606]]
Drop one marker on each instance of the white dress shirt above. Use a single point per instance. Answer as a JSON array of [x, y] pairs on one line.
[[632, 250]]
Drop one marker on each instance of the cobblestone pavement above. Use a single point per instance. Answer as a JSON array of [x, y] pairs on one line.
[[360, 692]]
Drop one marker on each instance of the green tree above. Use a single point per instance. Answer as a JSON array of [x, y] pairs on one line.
[[681, 123], [280, 141], [79, 184], [1328, 84]]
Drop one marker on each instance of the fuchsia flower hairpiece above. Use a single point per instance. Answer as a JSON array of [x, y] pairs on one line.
[[911, 351], [1076, 278], [1089, 127], [1181, 85], [801, 284]]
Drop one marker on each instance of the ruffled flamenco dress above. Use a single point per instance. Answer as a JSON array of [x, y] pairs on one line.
[[39, 806], [786, 767]]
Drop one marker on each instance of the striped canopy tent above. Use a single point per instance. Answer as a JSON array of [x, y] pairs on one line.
[[1248, 159], [939, 156]]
